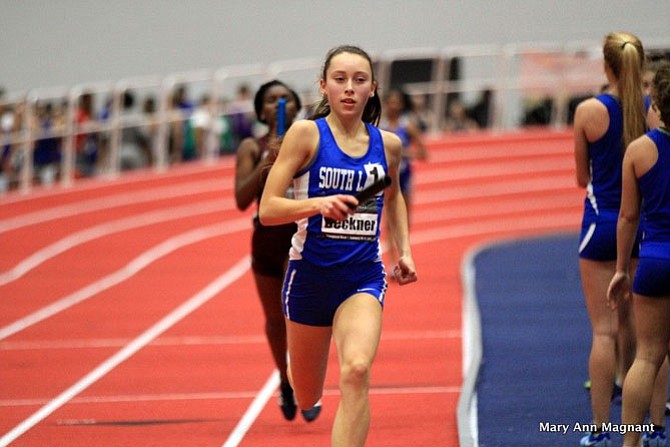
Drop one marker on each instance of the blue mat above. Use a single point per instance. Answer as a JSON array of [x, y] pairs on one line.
[[536, 340]]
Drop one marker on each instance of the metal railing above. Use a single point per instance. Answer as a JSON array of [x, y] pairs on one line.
[[513, 76]]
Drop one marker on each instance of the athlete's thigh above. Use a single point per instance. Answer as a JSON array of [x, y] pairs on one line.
[[652, 325], [308, 348], [596, 276], [269, 291], [357, 328]]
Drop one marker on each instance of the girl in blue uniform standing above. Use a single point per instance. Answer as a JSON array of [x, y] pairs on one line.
[[335, 283], [603, 127], [646, 182]]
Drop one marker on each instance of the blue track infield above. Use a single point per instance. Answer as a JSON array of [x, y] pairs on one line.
[[535, 340]]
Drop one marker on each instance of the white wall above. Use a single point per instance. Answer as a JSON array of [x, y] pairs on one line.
[[60, 43]]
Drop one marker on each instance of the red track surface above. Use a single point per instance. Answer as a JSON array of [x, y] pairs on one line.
[[129, 316]]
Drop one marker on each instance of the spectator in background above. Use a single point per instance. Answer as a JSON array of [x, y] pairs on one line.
[[47, 150], [105, 113], [457, 119], [182, 100], [480, 112], [175, 133], [86, 139], [398, 117], [537, 111], [181, 141], [424, 115], [135, 146], [150, 129], [241, 114], [212, 130], [227, 137], [10, 123]]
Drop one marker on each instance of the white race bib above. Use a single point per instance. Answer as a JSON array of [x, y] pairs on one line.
[[359, 226]]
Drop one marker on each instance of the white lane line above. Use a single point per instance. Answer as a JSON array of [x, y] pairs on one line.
[[115, 226], [268, 390], [499, 188], [486, 151], [500, 207], [83, 400], [130, 179], [253, 411], [492, 190], [429, 176], [95, 343], [114, 201], [466, 410], [229, 395], [153, 217], [125, 272], [129, 350], [548, 220], [495, 169]]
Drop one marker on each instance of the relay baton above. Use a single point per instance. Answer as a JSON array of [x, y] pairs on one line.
[[281, 117], [369, 192]]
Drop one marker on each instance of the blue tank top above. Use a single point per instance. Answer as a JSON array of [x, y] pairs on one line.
[[655, 190], [323, 242], [605, 155]]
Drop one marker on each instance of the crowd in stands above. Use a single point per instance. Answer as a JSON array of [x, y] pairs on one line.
[[196, 128]]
